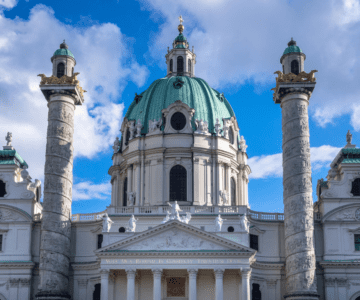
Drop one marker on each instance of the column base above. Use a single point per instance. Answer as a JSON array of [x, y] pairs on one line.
[[52, 296], [302, 296]]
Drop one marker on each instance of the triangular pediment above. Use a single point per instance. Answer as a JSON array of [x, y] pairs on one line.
[[175, 236]]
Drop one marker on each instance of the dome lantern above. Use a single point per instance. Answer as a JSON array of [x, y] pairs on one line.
[[180, 60], [63, 61], [292, 59]]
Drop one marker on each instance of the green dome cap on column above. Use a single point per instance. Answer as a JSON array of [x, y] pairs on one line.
[[292, 48], [63, 50], [208, 103]]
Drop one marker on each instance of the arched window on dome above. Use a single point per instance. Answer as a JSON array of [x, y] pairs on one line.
[[231, 135], [178, 183], [233, 191], [127, 137], [295, 67], [72, 71], [355, 188], [171, 65], [125, 192], [60, 70], [2, 188], [189, 66], [180, 64]]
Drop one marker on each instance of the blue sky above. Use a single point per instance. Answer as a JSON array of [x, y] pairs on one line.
[[120, 46]]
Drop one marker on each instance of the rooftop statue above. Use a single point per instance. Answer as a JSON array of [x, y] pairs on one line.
[[218, 223], [132, 224], [107, 222]]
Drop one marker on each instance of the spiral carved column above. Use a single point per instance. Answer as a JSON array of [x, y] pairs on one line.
[[298, 210]]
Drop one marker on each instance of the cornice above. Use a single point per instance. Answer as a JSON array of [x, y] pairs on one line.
[[187, 254], [268, 265], [16, 264], [354, 264]]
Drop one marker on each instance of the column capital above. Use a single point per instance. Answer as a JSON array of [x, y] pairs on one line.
[[104, 272], [157, 272], [192, 272], [245, 272], [219, 273], [131, 273]]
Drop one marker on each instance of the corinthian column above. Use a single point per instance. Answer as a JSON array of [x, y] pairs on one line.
[[55, 223], [299, 229]]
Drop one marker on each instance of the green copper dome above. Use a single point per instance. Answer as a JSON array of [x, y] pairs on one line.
[[180, 38], [292, 48], [208, 103], [63, 52]]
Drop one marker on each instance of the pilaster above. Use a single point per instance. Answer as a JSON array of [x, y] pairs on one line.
[[219, 284]]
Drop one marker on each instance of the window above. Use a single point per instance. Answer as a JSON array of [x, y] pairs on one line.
[[355, 189], [171, 65], [178, 121], [283, 69], [99, 240], [2, 188], [178, 183], [231, 136], [97, 292], [127, 137], [1, 242], [254, 242], [357, 242], [180, 64], [60, 70], [189, 66], [255, 293], [230, 229], [125, 192], [233, 191], [38, 194], [175, 287], [122, 229], [295, 67], [72, 71]]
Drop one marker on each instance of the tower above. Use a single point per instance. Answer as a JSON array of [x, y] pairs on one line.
[[63, 93], [293, 90], [180, 60]]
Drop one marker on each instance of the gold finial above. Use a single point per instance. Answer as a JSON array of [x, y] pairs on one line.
[[181, 26]]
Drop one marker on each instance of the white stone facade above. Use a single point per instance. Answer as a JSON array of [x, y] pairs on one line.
[[200, 242]]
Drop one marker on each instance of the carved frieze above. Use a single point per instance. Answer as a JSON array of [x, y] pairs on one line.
[[298, 223], [297, 184], [300, 262], [297, 243]]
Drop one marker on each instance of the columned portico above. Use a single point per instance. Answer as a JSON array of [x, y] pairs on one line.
[[219, 285], [131, 273], [104, 284], [157, 273], [192, 284]]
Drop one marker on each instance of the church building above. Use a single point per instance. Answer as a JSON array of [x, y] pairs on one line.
[[179, 226]]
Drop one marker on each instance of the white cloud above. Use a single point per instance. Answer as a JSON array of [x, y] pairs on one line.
[[87, 190], [244, 40], [8, 3], [271, 165], [105, 63]]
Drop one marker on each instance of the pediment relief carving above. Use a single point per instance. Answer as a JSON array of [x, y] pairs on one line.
[[349, 212], [256, 230], [176, 236], [175, 239], [10, 215]]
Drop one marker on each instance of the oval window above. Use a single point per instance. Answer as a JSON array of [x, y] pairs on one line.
[[178, 121]]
